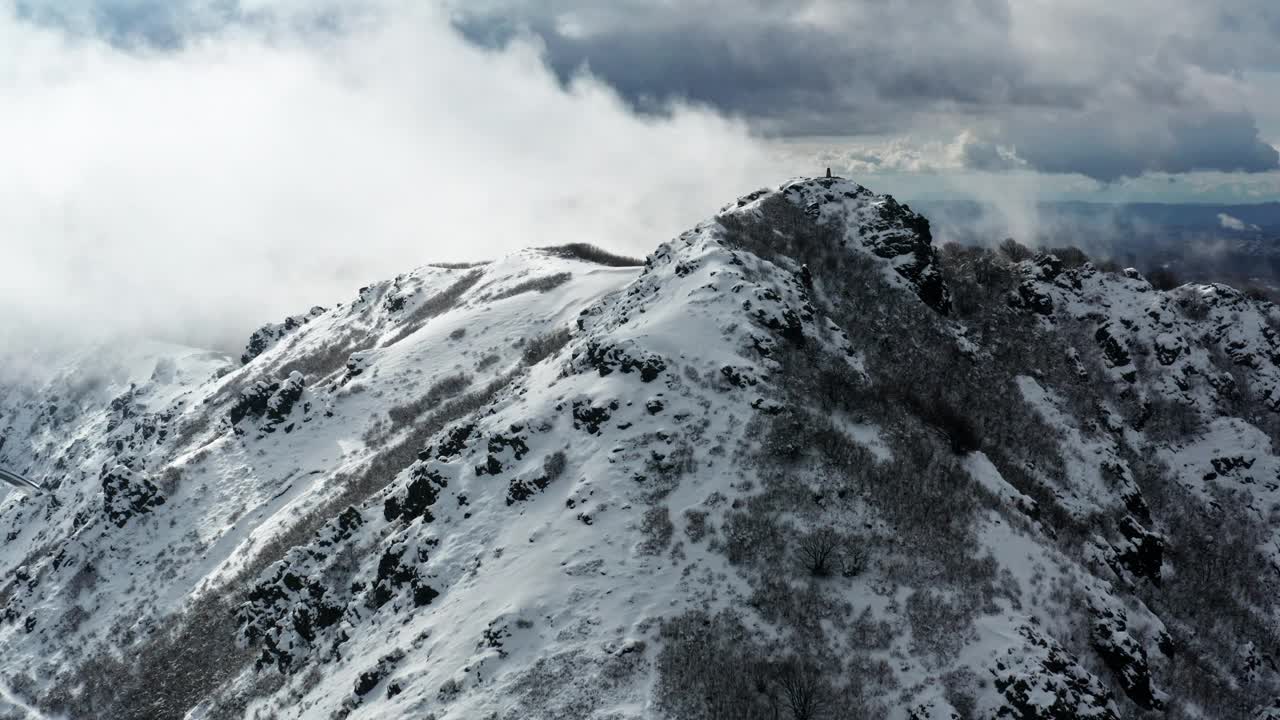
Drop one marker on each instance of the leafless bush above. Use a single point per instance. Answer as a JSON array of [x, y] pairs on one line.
[[752, 534], [544, 346], [327, 359], [542, 284], [441, 390], [939, 626], [804, 688], [853, 557], [1014, 251], [459, 265], [554, 465], [185, 659], [696, 525], [657, 528], [709, 669], [591, 253], [377, 474], [1071, 257], [818, 550], [437, 304]]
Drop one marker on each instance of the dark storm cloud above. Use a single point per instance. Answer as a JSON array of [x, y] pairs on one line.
[[1159, 83], [796, 78]]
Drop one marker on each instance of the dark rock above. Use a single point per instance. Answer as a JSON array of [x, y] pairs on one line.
[[1122, 653], [127, 494], [1141, 552], [253, 401], [267, 335], [1042, 681], [1034, 299], [1114, 351], [589, 417], [415, 499], [605, 359]]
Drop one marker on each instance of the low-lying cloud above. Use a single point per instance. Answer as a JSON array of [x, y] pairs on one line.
[[1230, 222], [192, 192]]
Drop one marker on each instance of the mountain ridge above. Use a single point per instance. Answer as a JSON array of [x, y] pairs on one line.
[[802, 463]]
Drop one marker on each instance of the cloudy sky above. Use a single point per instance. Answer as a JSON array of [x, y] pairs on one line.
[[212, 164], [1113, 92]]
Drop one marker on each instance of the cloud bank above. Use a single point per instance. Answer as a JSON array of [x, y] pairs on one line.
[[1100, 88], [194, 191]]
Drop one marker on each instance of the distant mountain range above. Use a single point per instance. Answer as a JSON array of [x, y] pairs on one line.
[[1236, 244]]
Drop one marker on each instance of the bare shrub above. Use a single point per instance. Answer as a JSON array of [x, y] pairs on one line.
[[554, 465], [696, 525], [752, 535], [1071, 256], [542, 284], [711, 669], [804, 687], [657, 528], [854, 557], [544, 346], [590, 253], [818, 551], [380, 471], [437, 304], [184, 660], [939, 626], [327, 359], [459, 265], [1014, 251], [441, 390]]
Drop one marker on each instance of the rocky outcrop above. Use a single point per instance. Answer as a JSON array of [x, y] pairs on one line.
[[126, 494], [271, 402], [1039, 680], [1140, 551], [268, 335], [1123, 654], [880, 225]]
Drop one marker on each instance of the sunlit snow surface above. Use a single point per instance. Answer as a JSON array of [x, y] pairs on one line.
[[543, 590]]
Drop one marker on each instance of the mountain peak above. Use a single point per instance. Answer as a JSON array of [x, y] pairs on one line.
[[863, 221]]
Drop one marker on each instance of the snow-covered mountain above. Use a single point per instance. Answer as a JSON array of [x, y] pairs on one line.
[[801, 464]]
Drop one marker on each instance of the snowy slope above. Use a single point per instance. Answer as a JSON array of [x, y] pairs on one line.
[[801, 464]]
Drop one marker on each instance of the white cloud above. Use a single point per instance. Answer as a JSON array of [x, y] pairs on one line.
[[1234, 223], [195, 193]]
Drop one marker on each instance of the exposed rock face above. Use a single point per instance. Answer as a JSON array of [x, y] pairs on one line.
[[1122, 652], [268, 335], [271, 402], [1039, 680], [127, 494], [1141, 552], [881, 225]]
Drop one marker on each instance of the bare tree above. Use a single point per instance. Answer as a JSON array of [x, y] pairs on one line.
[[818, 548], [803, 687], [1013, 250]]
